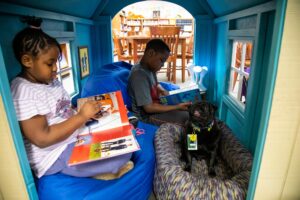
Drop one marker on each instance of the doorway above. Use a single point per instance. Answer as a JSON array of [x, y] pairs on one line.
[[134, 21]]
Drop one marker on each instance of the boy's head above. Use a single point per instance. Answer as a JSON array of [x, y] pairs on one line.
[[155, 55]]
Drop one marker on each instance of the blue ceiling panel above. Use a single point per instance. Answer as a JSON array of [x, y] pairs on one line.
[[78, 8], [92, 8], [224, 7]]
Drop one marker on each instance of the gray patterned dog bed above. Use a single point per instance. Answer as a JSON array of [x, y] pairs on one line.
[[233, 169]]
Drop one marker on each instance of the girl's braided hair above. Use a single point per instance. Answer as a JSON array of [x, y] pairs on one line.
[[32, 40]]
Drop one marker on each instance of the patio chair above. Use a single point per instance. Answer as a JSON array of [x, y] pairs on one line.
[[170, 35]]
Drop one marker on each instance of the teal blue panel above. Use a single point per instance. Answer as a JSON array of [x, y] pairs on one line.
[[10, 25], [235, 124], [102, 41], [265, 74], [77, 8], [83, 38], [265, 100], [219, 66], [221, 8]]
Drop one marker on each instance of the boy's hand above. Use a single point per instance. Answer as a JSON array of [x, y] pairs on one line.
[[184, 106], [161, 91], [164, 93], [90, 109]]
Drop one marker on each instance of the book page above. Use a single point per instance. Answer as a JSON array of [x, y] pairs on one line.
[[183, 89], [108, 135], [188, 94], [103, 145], [109, 117]]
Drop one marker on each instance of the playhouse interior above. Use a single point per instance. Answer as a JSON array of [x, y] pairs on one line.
[[233, 40]]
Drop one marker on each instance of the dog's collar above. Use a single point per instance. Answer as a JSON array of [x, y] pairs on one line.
[[208, 128]]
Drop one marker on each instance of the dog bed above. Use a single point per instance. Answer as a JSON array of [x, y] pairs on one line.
[[233, 168]]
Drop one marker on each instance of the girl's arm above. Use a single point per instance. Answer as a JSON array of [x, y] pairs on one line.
[[38, 132]]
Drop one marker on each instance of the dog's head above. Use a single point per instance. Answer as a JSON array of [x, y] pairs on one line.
[[202, 113]]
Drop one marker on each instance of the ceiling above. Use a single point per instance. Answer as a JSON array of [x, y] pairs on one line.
[[92, 8]]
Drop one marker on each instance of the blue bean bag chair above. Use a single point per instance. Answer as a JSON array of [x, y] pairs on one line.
[[136, 184], [109, 78], [113, 77]]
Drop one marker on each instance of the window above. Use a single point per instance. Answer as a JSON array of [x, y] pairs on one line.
[[64, 71], [240, 70]]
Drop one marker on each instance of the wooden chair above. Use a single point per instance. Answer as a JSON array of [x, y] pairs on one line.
[[190, 49], [189, 54], [121, 54], [170, 35]]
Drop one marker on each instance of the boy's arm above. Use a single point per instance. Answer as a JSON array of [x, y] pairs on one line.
[[38, 132], [159, 108]]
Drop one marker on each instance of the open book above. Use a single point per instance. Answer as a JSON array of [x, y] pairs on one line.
[[188, 94], [107, 136]]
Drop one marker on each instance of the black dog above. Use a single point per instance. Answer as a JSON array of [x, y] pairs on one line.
[[201, 136]]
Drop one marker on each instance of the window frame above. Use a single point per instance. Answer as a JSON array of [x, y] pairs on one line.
[[72, 68], [237, 106], [241, 70]]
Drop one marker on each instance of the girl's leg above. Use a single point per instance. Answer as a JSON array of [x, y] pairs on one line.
[[111, 165]]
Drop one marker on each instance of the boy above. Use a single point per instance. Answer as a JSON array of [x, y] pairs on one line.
[[144, 89]]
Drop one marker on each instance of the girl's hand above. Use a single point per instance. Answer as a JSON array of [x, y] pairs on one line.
[[90, 109], [184, 106]]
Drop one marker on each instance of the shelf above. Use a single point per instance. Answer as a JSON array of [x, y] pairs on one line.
[[138, 25]]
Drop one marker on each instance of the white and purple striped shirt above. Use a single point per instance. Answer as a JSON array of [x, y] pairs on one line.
[[31, 99]]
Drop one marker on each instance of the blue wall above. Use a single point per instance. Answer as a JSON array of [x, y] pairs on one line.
[[254, 24], [82, 38], [219, 66], [12, 25]]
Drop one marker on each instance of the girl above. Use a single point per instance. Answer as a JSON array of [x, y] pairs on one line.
[[43, 108]]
